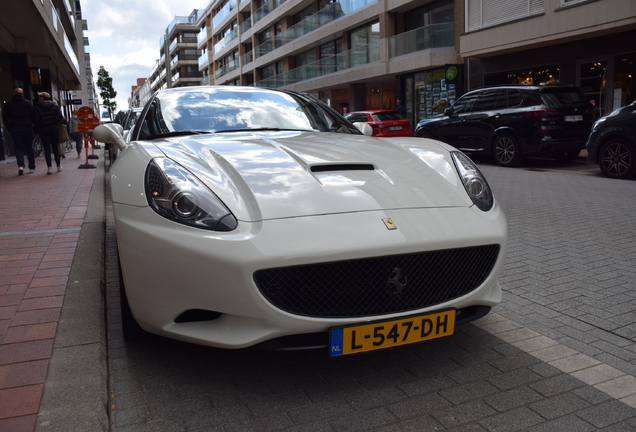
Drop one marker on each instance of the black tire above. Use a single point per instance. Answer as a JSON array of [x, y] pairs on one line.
[[130, 326], [424, 134], [617, 159], [506, 150]]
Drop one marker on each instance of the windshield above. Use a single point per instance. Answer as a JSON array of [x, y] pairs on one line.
[[231, 109]]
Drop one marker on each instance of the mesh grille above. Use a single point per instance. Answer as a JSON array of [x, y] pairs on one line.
[[376, 286]]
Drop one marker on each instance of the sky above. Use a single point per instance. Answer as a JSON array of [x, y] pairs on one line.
[[124, 37]]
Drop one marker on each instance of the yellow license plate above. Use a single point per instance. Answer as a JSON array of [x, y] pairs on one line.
[[385, 334]]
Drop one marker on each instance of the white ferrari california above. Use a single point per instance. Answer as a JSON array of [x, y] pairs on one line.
[[248, 216]]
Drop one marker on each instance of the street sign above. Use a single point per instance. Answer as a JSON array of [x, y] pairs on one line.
[[73, 101], [85, 113]]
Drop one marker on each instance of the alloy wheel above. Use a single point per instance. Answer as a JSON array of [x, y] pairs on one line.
[[617, 159]]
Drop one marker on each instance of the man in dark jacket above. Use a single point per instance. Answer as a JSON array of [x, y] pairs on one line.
[[19, 116], [48, 118]]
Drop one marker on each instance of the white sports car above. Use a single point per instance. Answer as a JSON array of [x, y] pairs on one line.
[[249, 216]]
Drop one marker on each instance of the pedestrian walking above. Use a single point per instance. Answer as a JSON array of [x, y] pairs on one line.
[[76, 135], [48, 118], [400, 108], [19, 116]]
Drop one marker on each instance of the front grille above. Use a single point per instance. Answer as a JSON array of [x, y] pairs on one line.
[[379, 285]]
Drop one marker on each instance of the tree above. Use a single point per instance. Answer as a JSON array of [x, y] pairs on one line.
[[107, 92]]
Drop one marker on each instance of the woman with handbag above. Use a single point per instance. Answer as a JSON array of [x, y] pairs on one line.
[[48, 118]]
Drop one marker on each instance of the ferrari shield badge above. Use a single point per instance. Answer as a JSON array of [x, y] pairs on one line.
[[389, 223]]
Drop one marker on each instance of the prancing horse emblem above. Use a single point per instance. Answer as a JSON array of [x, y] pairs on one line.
[[396, 283]]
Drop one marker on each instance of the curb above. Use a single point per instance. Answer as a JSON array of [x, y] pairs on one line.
[[76, 388]]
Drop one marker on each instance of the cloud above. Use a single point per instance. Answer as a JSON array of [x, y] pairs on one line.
[[124, 37]]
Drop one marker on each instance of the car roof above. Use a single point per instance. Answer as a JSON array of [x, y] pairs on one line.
[[525, 87]]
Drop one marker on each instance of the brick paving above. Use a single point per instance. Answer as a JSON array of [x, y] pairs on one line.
[[40, 220]]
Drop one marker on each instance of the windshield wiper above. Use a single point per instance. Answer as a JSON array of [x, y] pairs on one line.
[[179, 133]]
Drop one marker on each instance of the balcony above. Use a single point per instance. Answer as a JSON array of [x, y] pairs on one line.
[[356, 57], [311, 23], [204, 59], [246, 25], [233, 65], [263, 11], [202, 36], [223, 13], [177, 20], [226, 41], [423, 38], [247, 58]]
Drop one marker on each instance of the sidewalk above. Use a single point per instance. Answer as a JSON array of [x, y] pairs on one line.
[[51, 235]]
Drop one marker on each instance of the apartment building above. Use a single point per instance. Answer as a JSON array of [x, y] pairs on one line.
[[43, 48], [352, 54], [367, 54], [587, 43], [178, 64]]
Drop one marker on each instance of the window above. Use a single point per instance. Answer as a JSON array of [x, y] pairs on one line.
[[487, 13], [487, 101], [465, 103], [433, 13]]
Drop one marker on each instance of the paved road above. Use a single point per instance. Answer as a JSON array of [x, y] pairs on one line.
[[559, 353]]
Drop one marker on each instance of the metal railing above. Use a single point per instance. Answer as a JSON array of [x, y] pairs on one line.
[[356, 57], [224, 12], [423, 38], [311, 23]]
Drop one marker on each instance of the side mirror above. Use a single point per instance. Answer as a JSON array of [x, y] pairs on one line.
[[448, 112], [364, 128], [110, 133]]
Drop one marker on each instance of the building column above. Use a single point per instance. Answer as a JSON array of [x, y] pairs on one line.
[[357, 97]]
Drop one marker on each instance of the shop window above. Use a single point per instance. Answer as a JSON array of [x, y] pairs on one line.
[[593, 82], [530, 76], [624, 83]]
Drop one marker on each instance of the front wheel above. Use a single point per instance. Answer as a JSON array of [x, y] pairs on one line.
[[507, 151], [617, 159], [424, 134]]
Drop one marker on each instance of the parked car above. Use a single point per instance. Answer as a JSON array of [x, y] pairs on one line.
[[127, 120], [511, 122], [252, 216], [612, 143], [385, 123]]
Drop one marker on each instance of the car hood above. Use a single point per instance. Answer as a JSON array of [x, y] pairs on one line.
[[273, 175]]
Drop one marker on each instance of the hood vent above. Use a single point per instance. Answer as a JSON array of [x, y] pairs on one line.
[[342, 167]]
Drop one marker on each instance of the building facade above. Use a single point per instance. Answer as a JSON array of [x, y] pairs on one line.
[[367, 54], [587, 43], [178, 55], [42, 48]]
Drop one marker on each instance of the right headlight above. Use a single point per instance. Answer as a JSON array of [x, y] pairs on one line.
[[176, 194], [473, 180]]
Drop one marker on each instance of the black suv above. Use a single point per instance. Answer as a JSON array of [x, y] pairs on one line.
[[612, 143], [510, 122]]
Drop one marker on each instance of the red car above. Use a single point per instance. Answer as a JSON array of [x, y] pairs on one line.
[[385, 123]]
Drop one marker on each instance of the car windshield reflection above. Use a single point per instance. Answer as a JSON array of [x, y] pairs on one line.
[[217, 110]]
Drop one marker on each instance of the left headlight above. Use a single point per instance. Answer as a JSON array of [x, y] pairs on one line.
[[176, 194], [474, 182]]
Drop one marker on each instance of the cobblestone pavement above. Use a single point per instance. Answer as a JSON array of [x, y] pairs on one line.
[[558, 354]]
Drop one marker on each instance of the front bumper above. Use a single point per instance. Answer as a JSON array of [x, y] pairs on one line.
[[169, 269]]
